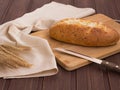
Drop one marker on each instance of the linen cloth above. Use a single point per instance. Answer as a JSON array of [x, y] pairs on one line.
[[17, 32]]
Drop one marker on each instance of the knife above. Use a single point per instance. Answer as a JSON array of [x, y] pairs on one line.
[[109, 65]]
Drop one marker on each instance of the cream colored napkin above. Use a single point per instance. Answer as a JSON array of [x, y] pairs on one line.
[[16, 32]]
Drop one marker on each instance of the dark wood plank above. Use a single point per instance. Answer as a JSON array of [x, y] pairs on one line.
[[114, 80], [4, 6], [64, 80], [2, 84], [117, 5], [84, 3], [64, 1], [91, 77], [114, 77], [83, 81], [26, 84], [37, 4], [108, 8], [6, 84], [16, 9]]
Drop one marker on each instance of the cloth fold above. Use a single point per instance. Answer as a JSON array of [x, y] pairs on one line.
[[17, 32]]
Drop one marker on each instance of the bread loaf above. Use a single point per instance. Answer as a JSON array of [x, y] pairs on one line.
[[84, 32]]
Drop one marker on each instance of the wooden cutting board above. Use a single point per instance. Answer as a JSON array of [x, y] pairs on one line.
[[70, 62]]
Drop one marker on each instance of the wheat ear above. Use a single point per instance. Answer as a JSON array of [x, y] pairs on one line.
[[10, 58], [15, 49]]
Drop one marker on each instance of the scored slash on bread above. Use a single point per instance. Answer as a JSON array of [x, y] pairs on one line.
[[84, 32]]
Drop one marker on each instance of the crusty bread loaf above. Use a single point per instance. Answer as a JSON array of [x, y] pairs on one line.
[[84, 32]]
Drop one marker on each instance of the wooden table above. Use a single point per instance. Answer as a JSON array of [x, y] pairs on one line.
[[90, 77]]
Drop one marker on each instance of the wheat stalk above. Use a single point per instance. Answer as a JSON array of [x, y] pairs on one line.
[[9, 58], [15, 49]]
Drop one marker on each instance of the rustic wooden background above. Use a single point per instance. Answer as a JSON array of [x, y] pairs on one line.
[[91, 77]]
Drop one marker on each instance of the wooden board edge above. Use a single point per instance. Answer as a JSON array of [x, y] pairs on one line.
[[71, 68]]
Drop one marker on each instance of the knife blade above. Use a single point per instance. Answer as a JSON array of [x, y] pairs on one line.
[[109, 65]]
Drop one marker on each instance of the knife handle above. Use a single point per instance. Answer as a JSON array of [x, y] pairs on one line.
[[111, 65]]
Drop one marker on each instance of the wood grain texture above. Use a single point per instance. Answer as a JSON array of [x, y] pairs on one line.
[[2, 84], [84, 3], [91, 77], [4, 6], [26, 84], [16, 9], [37, 4], [109, 8], [62, 81], [63, 1]]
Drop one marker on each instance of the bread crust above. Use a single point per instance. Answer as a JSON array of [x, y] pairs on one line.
[[83, 32]]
